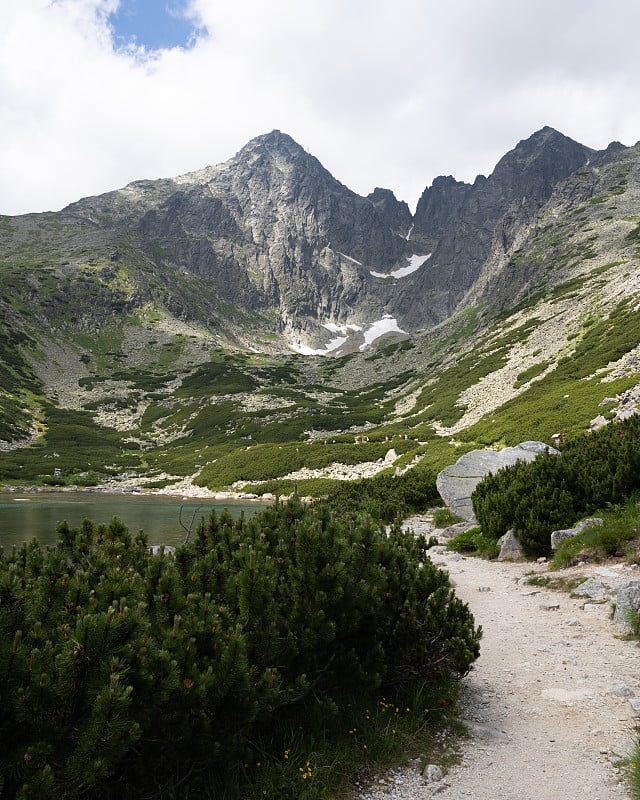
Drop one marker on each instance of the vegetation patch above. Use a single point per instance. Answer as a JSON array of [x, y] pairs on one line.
[[265, 462], [275, 655], [474, 542], [20, 391], [553, 492], [440, 400], [443, 518], [617, 537], [73, 444], [388, 497], [566, 399], [222, 376], [529, 374]]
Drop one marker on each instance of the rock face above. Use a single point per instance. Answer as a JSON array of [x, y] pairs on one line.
[[272, 228], [395, 214], [592, 588], [461, 223], [269, 231], [457, 482]]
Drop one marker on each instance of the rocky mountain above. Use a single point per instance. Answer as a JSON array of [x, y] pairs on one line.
[[272, 232], [461, 222], [171, 309]]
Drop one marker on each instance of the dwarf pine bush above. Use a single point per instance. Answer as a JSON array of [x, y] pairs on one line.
[[553, 491], [125, 674]]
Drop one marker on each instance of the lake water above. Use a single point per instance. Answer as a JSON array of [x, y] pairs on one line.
[[36, 515]]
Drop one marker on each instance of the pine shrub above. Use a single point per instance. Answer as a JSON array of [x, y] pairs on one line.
[[386, 496], [553, 492], [127, 674]]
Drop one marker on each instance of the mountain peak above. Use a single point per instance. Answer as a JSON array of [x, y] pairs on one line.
[[536, 164], [546, 139], [273, 143]]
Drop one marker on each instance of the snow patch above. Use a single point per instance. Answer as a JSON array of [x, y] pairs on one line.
[[415, 262], [410, 232], [373, 331], [345, 330], [387, 324], [344, 255], [305, 350]]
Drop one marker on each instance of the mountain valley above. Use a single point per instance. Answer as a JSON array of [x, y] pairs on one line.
[[256, 326]]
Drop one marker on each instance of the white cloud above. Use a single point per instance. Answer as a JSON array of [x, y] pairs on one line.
[[383, 93]]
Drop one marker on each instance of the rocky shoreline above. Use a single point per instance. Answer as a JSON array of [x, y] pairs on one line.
[[194, 492]]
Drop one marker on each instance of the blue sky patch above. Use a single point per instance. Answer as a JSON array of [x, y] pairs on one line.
[[153, 24]]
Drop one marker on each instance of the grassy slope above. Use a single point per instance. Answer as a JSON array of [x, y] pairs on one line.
[[159, 390]]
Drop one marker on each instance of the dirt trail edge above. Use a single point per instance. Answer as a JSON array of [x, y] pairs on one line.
[[542, 703]]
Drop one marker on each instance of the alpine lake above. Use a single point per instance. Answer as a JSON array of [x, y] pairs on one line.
[[24, 517]]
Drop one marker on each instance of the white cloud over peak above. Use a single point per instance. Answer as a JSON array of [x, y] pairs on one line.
[[384, 93]]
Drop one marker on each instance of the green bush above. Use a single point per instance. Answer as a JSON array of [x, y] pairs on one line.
[[621, 526], [271, 461], [127, 674], [443, 518], [474, 541], [80, 444], [465, 542], [553, 492], [387, 497]]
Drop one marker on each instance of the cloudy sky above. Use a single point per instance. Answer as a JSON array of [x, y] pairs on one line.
[[392, 93]]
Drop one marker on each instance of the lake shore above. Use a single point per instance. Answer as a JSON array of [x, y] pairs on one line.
[[188, 491]]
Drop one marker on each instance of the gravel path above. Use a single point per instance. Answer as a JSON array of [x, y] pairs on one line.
[[543, 721]]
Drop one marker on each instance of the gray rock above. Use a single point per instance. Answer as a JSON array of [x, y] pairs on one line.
[[627, 601], [568, 533], [635, 705], [621, 690], [590, 522], [454, 530], [591, 588], [561, 536], [597, 423], [457, 482], [510, 548], [625, 413], [605, 572], [433, 773], [466, 220], [157, 548]]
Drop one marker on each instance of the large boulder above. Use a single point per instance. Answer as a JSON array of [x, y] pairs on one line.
[[457, 482]]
